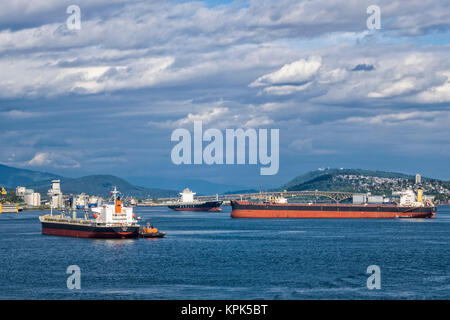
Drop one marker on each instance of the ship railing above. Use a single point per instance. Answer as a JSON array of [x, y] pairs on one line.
[[118, 224], [49, 218], [70, 220]]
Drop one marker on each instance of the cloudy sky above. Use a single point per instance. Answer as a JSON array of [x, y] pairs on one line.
[[106, 98]]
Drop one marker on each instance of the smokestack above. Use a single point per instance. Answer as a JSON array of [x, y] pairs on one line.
[[419, 195], [118, 205]]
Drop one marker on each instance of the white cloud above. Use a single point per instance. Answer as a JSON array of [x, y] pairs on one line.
[[205, 117], [212, 114], [18, 114], [218, 116], [187, 51], [296, 72], [397, 88], [41, 76], [437, 94], [40, 159], [285, 90], [146, 44], [258, 121], [306, 147], [422, 118], [332, 76], [57, 160]]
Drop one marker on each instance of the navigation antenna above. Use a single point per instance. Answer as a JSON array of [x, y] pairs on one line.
[[114, 193]]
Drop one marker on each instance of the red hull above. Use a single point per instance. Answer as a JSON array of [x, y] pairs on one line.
[[88, 234], [239, 213], [245, 209]]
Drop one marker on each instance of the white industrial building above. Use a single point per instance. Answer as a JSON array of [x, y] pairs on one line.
[[55, 195], [20, 191], [32, 199]]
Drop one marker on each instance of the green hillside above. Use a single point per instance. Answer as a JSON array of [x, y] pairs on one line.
[[12, 177], [322, 177], [100, 185], [362, 181]]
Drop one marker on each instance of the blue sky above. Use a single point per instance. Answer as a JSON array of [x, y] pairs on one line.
[[106, 98]]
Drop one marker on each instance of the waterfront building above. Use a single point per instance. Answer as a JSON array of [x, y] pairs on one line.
[[418, 179], [55, 195], [32, 199], [20, 191]]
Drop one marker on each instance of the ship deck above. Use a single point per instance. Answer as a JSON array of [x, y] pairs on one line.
[[315, 204], [80, 221]]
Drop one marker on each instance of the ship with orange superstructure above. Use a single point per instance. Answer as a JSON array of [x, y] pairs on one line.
[[409, 207], [113, 220]]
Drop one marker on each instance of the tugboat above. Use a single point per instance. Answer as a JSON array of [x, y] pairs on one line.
[[187, 203], [151, 232], [109, 221]]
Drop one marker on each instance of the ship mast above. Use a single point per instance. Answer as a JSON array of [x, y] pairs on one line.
[[114, 194], [74, 209]]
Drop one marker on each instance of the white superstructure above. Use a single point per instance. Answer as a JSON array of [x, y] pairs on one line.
[[114, 213], [275, 199], [187, 195], [408, 198], [107, 214], [280, 199]]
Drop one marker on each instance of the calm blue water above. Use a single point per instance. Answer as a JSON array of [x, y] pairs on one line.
[[211, 256]]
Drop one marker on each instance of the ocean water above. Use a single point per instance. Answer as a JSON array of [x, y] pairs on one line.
[[211, 256]]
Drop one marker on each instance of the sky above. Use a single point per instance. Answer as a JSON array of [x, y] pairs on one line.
[[106, 98]]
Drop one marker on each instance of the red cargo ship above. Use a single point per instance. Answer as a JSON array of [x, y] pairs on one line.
[[408, 208], [245, 209]]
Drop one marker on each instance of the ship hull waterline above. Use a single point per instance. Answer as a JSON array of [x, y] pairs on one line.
[[210, 206], [198, 209], [305, 211], [79, 231]]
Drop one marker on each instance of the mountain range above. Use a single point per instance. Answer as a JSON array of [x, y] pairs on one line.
[[350, 180], [100, 185], [200, 186]]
